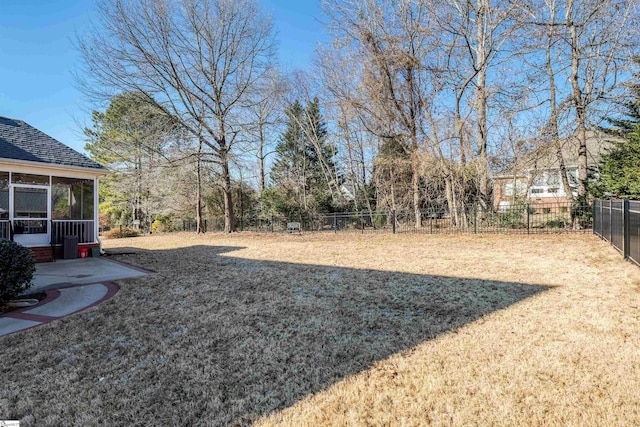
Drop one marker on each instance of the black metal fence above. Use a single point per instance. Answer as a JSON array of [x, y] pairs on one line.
[[618, 222], [524, 218]]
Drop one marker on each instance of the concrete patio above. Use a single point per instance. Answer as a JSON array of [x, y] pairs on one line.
[[72, 285], [65, 273]]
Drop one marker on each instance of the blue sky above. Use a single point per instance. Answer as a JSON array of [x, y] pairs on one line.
[[37, 58]]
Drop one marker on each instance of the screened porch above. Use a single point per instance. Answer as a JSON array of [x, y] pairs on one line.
[[38, 210]]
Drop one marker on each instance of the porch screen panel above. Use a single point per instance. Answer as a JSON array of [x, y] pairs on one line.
[[30, 210], [5, 228], [4, 196], [72, 209], [71, 199]]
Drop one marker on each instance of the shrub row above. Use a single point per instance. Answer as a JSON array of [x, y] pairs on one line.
[[119, 233]]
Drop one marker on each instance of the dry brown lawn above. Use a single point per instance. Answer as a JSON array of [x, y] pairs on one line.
[[342, 330]]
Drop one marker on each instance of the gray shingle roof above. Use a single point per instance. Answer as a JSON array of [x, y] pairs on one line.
[[21, 141]]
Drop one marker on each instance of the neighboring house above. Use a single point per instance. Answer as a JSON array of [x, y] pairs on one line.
[[348, 191], [47, 191], [536, 179]]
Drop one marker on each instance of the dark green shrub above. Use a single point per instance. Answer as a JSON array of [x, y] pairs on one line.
[[17, 265], [556, 223], [513, 217]]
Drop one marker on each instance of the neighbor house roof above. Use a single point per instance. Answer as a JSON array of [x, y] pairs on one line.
[[545, 157], [21, 141]]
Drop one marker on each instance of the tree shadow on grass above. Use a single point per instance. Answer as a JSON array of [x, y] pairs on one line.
[[218, 340]]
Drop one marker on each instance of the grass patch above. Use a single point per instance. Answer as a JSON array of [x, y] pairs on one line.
[[326, 329]]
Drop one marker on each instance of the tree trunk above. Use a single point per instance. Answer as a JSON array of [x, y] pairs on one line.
[[481, 104], [451, 200], [229, 219], [137, 215], [553, 120], [415, 160], [581, 130], [261, 158], [415, 187], [199, 226]]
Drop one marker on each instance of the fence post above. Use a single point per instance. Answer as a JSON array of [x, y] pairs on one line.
[[626, 242], [272, 223], [610, 222], [431, 223], [528, 218], [393, 221], [205, 225]]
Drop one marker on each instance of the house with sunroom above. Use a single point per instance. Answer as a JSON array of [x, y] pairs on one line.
[[47, 191]]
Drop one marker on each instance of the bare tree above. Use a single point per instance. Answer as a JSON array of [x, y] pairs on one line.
[[475, 36], [265, 115], [199, 61], [601, 37], [390, 41], [587, 45]]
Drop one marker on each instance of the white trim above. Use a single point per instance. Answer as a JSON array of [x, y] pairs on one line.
[[10, 200], [32, 185], [24, 166]]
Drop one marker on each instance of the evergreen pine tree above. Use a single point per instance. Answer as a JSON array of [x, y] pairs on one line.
[[622, 126], [620, 167], [304, 164]]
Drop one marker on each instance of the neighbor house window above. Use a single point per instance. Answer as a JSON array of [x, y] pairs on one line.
[[4, 195], [504, 206], [539, 179], [71, 198], [508, 189], [573, 177], [521, 188]]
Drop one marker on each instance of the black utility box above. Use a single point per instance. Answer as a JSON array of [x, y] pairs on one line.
[[70, 247]]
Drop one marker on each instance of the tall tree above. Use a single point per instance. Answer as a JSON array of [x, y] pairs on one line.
[[266, 115], [600, 35], [199, 61], [130, 137], [620, 167], [304, 164], [628, 120], [393, 47]]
